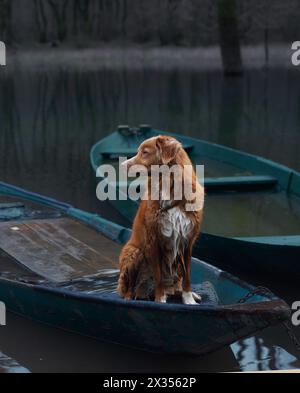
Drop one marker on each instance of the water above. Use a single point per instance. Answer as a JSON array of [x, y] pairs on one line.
[[49, 119], [252, 214]]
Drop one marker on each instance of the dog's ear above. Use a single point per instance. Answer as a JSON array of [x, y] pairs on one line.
[[168, 148]]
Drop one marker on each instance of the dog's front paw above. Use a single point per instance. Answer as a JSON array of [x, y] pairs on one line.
[[161, 299], [196, 297], [190, 298]]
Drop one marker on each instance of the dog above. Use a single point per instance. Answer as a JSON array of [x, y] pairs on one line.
[[155, 262]]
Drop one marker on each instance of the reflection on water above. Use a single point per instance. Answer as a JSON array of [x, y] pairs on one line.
[[41, 348], [49, 121], [258, 354]]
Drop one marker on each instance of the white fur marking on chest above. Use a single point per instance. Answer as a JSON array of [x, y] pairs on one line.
[[175, 222], [176, 226]]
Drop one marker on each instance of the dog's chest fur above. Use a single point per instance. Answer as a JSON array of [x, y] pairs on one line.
[[175, 227]]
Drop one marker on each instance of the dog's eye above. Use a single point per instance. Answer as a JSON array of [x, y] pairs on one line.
[[144, 153]]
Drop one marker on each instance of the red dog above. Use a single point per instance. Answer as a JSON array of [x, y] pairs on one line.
[[156, 260]]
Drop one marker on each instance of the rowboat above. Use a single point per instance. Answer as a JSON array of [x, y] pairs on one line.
[[252, 210], [58, 265]]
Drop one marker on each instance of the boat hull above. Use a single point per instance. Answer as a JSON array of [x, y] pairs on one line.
[[267, 259], [273, 255], [147, 328], [61, 269]]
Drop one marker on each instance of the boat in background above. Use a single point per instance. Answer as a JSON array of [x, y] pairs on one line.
[[59, 266], [252, 210]]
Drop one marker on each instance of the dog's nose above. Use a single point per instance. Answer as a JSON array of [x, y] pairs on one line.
[[125, 165], [128, 163]]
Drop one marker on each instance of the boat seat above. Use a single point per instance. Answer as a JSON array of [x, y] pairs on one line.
[[10, 211], [239, 183], [234, 183], [116, 152], [11, 269], [18, 210], [58, 249]]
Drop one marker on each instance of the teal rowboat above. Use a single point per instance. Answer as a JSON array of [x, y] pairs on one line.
[[252, 209], [58, 265]]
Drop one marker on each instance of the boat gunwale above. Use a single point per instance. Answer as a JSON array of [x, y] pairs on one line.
[[292, 177], [234, 308], [290, 173]]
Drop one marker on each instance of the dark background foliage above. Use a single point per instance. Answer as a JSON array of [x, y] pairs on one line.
[[162, 22]]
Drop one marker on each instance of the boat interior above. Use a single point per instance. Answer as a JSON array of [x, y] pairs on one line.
[[41, 245], [239, 203]]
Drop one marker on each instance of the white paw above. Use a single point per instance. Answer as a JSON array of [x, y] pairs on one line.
[[190, 298], [196, 297], [162, 299]]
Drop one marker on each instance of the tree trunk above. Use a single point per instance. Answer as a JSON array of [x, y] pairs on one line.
[[59, 10], [41, 20], [124, 18], [229, 37], [5, 21], [266, 45]]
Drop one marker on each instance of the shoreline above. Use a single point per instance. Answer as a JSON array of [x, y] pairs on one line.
[[139, 58]]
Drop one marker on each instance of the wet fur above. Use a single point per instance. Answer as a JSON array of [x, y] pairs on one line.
[[156, 260]]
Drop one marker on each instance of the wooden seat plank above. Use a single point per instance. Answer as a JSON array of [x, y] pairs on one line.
[[59, 249], [235, 183], [239, 182]]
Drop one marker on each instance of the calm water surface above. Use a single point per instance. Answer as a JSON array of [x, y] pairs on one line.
[[50, 119]]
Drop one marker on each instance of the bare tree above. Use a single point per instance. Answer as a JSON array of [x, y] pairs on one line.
[[201, 22], [229, 37], [124, 17], [142, 21], [5, 20], [166, 22], [170, 29], [271, 17], [59, 9], [82, 22], [41, 20]]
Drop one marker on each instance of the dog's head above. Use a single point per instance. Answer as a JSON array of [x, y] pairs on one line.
[[159, 150]]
